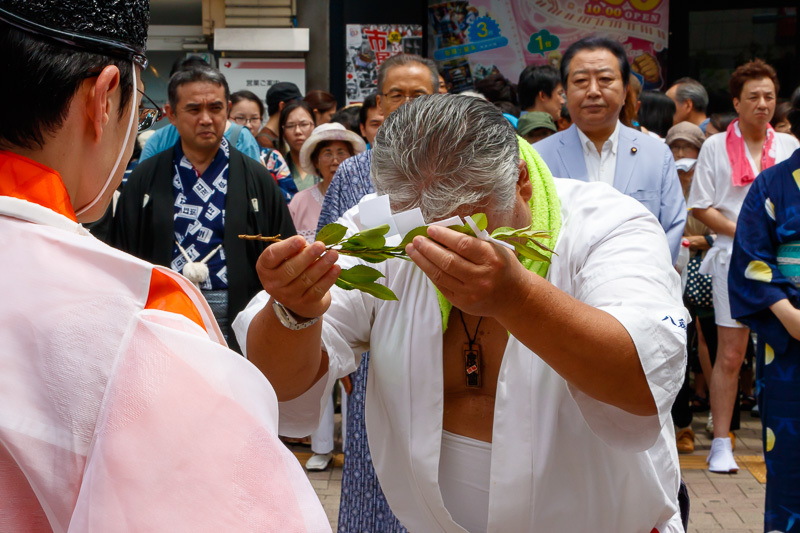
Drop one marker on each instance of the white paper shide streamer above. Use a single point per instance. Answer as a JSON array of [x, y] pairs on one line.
[[377, 211]]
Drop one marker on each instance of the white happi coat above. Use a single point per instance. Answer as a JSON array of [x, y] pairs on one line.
[[115, 417], [561, 461]]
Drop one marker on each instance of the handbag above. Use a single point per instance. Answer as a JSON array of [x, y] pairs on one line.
[[698, 286]]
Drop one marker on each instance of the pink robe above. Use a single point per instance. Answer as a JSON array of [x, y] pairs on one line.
[[305, 209], [121, 409]]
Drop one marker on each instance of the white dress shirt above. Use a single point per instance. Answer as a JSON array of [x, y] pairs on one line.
[[601, 166]]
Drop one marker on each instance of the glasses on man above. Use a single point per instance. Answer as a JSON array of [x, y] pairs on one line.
[[397, 97], [149, 112], [246, 121], [303, 125]]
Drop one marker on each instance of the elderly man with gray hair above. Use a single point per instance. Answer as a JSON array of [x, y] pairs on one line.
[[691, 102], [580, 358]]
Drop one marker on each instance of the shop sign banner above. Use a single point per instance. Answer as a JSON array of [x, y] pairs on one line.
[[258, 75], [370, 45], [475, 38]]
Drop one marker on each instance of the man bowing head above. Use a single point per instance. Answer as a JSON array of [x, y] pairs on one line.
[[570, 408]]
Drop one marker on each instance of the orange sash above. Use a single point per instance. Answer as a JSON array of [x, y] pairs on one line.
[[28, 180]]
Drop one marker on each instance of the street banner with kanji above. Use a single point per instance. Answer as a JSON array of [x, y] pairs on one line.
[[258, 75], [370, 45]]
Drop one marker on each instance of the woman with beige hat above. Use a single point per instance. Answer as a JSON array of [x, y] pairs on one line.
[[328, 145]]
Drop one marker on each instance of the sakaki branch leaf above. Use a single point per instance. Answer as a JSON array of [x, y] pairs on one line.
[[342, 284], [530, 253], [381, 230], [331, 234], [465, 229], [360, 274], [499, 233], [480, 220], [370, 246], [421, 231], [377, 290]]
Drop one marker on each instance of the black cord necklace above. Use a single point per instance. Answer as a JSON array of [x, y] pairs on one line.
[[472, 356]]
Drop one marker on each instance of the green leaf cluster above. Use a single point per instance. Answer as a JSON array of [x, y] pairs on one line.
[[363, 278], [370, 246], [525, 242]]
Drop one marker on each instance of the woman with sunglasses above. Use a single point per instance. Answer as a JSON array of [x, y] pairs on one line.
[[247, 110]]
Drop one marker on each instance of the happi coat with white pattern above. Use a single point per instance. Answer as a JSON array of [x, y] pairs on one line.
[[561, 461]]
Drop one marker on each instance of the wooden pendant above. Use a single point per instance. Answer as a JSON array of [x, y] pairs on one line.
[[472, 365]]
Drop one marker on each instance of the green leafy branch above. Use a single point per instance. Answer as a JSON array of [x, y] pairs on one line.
[[370, 246]]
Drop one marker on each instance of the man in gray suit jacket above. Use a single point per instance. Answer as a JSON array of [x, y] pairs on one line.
[[597, 147]]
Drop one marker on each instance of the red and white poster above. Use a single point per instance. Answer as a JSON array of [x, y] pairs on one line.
[[370, 45]]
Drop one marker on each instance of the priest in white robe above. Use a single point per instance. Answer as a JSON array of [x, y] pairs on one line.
[[121, 408], [503, 395]]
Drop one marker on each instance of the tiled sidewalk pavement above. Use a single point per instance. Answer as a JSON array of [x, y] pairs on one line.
[[729, 503], [719, 502], [327, 484]]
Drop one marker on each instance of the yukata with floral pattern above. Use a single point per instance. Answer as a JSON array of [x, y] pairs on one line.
[[276, 164], [760, 275]]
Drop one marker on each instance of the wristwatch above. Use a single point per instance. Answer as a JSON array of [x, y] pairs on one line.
[[288, 319]]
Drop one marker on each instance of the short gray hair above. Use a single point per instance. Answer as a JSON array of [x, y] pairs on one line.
[[444, 151], [691, 89], [402, 60]]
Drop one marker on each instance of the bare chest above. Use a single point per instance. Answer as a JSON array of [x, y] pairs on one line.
[[472, 356]]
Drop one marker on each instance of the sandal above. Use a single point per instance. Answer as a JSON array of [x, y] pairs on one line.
[[699, 404], [291, 441]]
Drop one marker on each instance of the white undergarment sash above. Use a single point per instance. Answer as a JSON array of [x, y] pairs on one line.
[[464, 475]]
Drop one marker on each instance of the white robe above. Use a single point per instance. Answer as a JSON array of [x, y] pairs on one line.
[[561, 461], [116, 417]]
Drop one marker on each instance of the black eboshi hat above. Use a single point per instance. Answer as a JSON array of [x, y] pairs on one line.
[[117, 28]]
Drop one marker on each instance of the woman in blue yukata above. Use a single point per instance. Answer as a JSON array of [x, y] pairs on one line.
[[763, 284]]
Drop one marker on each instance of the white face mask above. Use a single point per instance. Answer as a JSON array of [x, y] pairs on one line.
[[134, 114]]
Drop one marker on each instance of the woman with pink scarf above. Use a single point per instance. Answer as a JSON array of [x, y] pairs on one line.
[[727, 165]]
